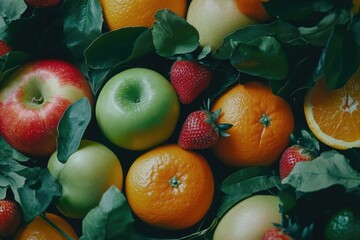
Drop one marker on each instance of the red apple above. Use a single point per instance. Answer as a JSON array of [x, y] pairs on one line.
[[33, 99]]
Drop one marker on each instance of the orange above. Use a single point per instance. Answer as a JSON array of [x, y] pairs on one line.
[[253, 9], [334, 115], [39, 229], [262, 125], [131, 13], [169, 187]]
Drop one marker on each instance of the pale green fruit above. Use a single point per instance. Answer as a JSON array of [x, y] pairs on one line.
[[215, 19], [249, 219], [85, 177]]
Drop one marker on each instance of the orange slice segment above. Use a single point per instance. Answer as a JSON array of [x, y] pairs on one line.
[[334, 115]]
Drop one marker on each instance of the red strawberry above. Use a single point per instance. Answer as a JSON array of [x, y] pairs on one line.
[[276, 234], [189, 79], [41, 3], [10, 217], [200, 130], [4, 48], [306, 149]]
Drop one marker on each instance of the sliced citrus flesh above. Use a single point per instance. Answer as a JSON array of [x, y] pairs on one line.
[[333, 115]]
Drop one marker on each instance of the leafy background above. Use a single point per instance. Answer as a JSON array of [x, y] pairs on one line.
[[306, 40]]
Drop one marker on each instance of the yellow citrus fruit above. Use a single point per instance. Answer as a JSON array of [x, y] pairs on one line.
[[133, 13], [262, 125], [215, 19], [169, 187], [253, 9], [39, 229], [334, 115], [249, 219]]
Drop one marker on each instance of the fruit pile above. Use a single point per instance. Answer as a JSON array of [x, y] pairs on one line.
[[182, 119]]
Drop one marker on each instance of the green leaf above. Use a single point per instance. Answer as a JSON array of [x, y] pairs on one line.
[[319, 34], [38, 192], [173, 35], [229, 185], [118, 47], [83, 22], [244, 183], [330, 168], [112, 219], [6, 151], [71, 128], [33, 188], [262, 57], [10, 61], [282, 31], [11, 10], [342, 57]]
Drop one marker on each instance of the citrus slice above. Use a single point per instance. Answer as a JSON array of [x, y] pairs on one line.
[[334, 115]]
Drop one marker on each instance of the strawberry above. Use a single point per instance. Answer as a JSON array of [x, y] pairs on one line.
[[4, 48], [10, 217], [200, 130], [41, 3], [276, 234], [189, 79], [305, 149]]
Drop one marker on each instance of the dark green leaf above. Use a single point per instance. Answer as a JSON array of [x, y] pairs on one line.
[[319, 34], [342, 57], [297, 11], [11, 10], [118, 47], [112, 219], [246, 188], [173, 35], [71, 128], [38, 192], [229, 184], [330, 168], [83, 22], [10, 61], [262, 57], [6, 151], [282, 31], [97, 77], [300, 78]]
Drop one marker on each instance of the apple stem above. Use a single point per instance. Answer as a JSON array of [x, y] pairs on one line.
[[36, 100]]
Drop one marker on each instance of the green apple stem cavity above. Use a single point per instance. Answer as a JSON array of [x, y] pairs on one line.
[[137, 109]]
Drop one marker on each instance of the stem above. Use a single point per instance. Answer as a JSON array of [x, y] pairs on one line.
[[43, 216], [174, 182], [38, 100], [265, 120]]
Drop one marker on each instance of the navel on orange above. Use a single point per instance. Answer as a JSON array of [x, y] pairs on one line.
[[169, 187], [334, 115], [262, 125], [133, 13]]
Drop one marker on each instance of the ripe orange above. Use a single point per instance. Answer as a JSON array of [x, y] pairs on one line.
[[262, 125], [169, 187], [333, 115], [130, 13], [253, 9], [39, 229]]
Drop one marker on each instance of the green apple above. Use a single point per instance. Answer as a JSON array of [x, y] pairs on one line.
[[215, 19], [137, 109], [85, 176], [249, 219]]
